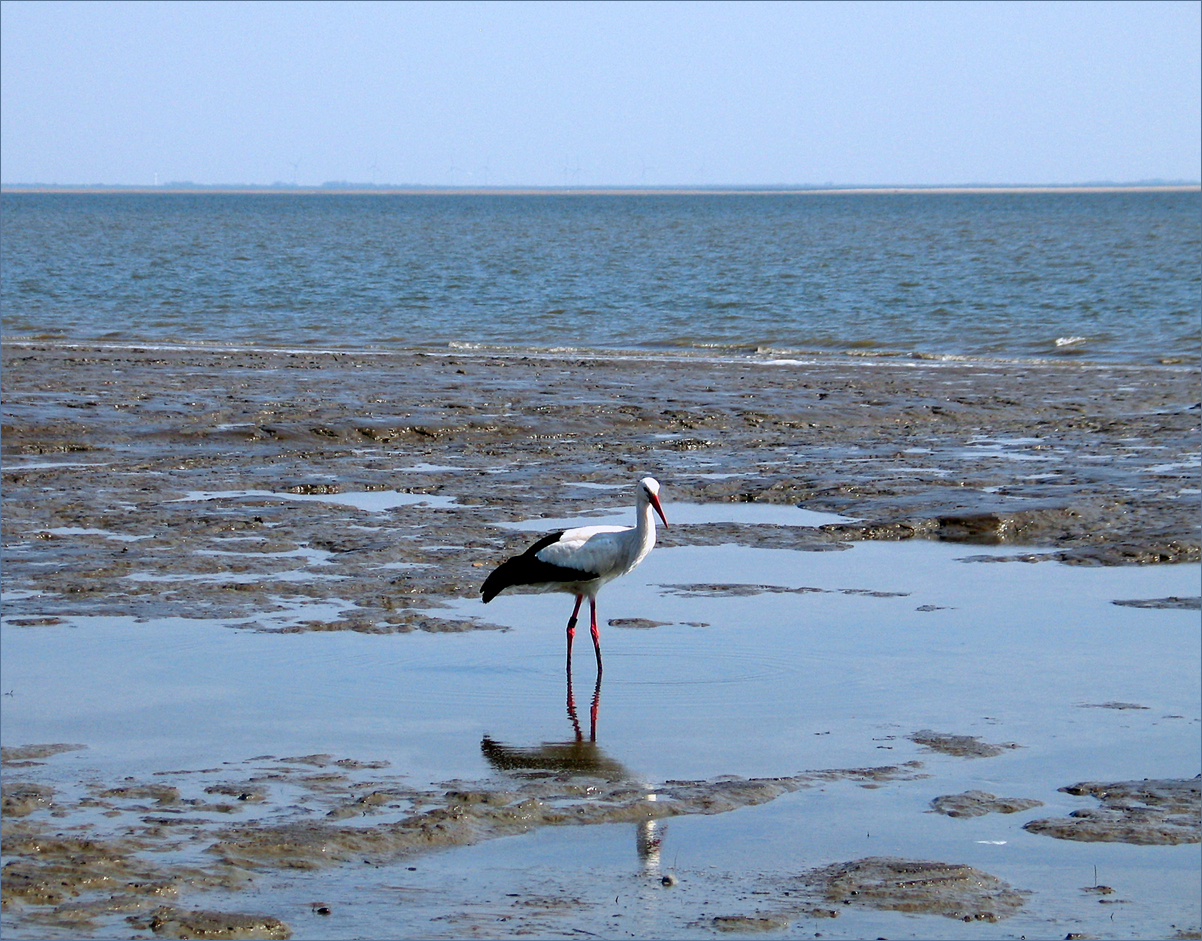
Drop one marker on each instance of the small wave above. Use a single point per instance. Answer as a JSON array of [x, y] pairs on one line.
[[875, 353], [947, 357], [694, 343], [1069, 341], [758, 354]]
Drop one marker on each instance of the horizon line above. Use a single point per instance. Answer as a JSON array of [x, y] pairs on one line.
[[348, 188]]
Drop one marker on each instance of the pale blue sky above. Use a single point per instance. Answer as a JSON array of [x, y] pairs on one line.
[[617, 93]]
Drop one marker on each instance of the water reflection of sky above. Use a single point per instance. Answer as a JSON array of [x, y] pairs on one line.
[[766, 663], [887, 638]]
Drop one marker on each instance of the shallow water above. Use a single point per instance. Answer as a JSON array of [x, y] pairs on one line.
[[883, 640], [749, 514], [375, 501], [749, 683]]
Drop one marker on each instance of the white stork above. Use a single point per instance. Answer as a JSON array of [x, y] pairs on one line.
[[580, 561]]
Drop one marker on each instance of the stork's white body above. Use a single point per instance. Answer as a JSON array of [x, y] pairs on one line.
[[610, 551], [581, 561]]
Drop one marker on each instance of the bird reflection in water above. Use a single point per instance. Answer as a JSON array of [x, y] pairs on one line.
[[579, 757], [574, 757]]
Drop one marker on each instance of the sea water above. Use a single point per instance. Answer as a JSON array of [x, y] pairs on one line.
[[1088, 276]]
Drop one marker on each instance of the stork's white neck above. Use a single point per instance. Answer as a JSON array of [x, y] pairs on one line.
[[644, 530]]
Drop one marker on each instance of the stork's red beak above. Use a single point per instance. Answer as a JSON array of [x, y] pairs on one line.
[[658, 509]]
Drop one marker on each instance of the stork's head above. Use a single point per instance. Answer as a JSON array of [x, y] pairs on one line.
[[649, 493]]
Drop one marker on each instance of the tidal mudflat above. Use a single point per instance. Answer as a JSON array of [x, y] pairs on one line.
[[249, 689]]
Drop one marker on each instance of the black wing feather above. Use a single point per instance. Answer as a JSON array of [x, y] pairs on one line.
[[529, 569]]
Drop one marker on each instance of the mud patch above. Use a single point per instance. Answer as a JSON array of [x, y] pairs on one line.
[[169, 922], [642, 624], [569, 784], [20, 799], [916, 886], [118, 850], [19, 755], [81, 881], [1162, 812], [748, 923], [1112, 705], [254, 422], [731, 591], [979, 803], [713, 590], [961, 746], [1172, 603]]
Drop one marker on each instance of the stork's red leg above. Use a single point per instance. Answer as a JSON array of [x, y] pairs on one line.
[[572, 632], [592, 610]]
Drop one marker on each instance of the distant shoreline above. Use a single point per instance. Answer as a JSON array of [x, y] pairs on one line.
[[355, 190]]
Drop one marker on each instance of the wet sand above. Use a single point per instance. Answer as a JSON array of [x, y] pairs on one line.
[[154, 497], [124, 454]]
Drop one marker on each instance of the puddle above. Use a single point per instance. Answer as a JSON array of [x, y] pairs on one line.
[[685, 514], [311, 556], [426, 468], [373, 501], [981, 452], [107, 534], [19, 594], [233, 578], [9, 466], [1173, 469]]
